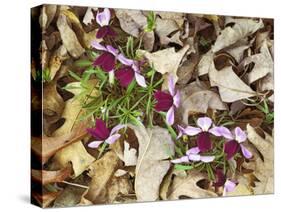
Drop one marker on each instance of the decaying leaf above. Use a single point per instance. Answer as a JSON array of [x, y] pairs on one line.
[[69, 38], [75, 154], [165, 61], [47, 15], [102, 172], [155, 146], [186, 187], [231, 87], [45, 177], [263, 64], [89, 16], [56, 60], [264, 169], [45, 199], [241, 29], [196, 98]]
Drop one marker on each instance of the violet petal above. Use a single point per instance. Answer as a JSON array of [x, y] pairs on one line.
[[125, 76], [231, 148], [176, 99], [247, 154], [140, 80], [100, 131], [94, 144], [164, 101], [170, 117], [205, 123], [111, 139], [240, 135], [204, 142]]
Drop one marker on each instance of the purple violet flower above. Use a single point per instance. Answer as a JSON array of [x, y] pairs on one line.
[[128, 72], [108, 57], [103, 19], [234, 143], [221, 180], [193, 155], [203, 141], [103, 134], [167, 102]]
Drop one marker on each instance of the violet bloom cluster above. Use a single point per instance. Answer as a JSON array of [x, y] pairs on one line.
[[168, 101], [103, 19], [103, 134]]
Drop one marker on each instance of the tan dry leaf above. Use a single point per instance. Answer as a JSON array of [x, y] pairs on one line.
[[264, 169], [89, 16], [130, 155], [187, 187], [196, 98], [45, 177], [231, 87], [47, 15], [77, 155], [242, 28], [44, 200], [263, 64], [177, 17], [165, 61], [155, 146], [69, 38], [56, 60], [102, 172]]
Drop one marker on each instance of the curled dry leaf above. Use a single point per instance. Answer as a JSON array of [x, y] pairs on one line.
[[231, 87], [47, 15], [46, 147], [56, 60], [89, 16], [102, 172], [45, 199], [263, 64], [46, 177], [133, 22], [187, 187], [196, 98], [264, 169], [75, 154], [155, 146], [69, 39], [241, 29], [165, 61]]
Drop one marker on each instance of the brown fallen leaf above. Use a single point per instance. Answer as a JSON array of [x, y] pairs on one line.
[[263, 64], [231, 87], [47, 15], [187, 187], [46, 147], [44, 200], [89, 16], [196, 98], [155, 145], [69, 38], [45, 177], [102, 172], [242, 28], [165, 61], [264, 168]]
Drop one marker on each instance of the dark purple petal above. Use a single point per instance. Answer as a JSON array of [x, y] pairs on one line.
[[164, 101], [125, 75], [106, 61], [231, 148], [220, 178], [204, 142], [105, 31], [100, 132]]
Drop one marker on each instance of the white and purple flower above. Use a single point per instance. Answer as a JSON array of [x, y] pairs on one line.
[[107, 59], [235, 142], [128, 72], [193, 155], [103, 19], [103, 134], [203, 131], [221, 180], [167, 102]]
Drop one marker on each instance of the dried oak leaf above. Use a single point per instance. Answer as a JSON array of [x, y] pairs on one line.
[[133, 22], [75, 154], [264, 168], [242, 28], [263, 64], [182, 187], [165, 61], [102, 172], [231, 87], [45, 177], [46, 147], [69, 38], [196, 98], [155, 147]]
